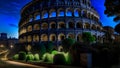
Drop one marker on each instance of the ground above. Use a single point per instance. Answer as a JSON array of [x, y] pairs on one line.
[[12, 64]]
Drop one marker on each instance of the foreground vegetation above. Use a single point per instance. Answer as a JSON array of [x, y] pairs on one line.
[[74, 53]]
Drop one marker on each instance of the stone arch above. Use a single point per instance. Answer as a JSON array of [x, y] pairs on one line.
[[36, 38], [77, 12], [79, 25], [71, 25], [79, 37], [29, 28], [52, 13], [60, 48], [84, 13], [61, 12], [29, 38], [61, 37], [44, 37], [52, 25], [44, 14], [30, 18], [36, 16], [61, 25], [71, 36], [92, 16], [36, 27], [69, 12], [89, 15], [87, 26], [44, 26], [25, 39], [98, 28], [52, 37], [93, 27]]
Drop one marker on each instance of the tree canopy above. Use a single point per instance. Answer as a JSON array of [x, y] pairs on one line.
[[117, 28], [113, 9]]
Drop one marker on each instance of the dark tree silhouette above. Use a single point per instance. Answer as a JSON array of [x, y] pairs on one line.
[[117, 28], [113, 9]]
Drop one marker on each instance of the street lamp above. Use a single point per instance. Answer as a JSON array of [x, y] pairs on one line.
[[11, 46]]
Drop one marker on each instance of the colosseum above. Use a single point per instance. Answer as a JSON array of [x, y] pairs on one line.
[[55, 20]]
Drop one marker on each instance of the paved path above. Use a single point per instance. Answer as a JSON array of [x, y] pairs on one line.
[[12, 64]]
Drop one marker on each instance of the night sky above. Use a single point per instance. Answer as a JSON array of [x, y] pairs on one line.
[[10, 15]]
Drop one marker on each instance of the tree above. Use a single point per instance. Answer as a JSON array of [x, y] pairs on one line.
[[42, 50], [112, 9], [109, 31], [88, 38], [49, 46], [117, 28], [66, 43]]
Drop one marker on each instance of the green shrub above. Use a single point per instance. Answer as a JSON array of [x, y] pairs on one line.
[[54, 52], [42, 50], [15, 57], [36, 57], [59, 59], [22, 56], [29, 57], [47, 57], [88, 37], [66, 43]]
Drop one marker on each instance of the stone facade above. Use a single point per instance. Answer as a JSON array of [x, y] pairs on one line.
[[48, 20]]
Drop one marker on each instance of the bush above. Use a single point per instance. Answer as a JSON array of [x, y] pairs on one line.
[[15, 57], [59, 59], [29, 57], [22, 56], [88, 38], [54, 52], [49, 47], [36, 57], [67, 43], [47, 57], [42, 50]]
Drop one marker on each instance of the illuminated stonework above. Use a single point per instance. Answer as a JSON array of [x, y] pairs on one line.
[[45, 20]]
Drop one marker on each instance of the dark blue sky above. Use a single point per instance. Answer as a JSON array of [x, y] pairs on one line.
[[10, 15]]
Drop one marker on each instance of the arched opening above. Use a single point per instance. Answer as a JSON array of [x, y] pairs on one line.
[[98, 28], [61, 37], [30, 18], [93, 27], [29, 28], [87, 25], [88, 16], [79, 25], [77, 13], [44, 37], [60, 48], [53, 25], [52, 13], [61, 12], [36, 27], [29, 38], [61, 25], [79, 37], [84, 14], [52, 37], [71, 25], [44, 14], [44, 26], [37, 16], [36, 38], [68, 12], [71, 36], [24, 39]]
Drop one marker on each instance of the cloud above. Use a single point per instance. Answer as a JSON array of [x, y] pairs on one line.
[[13, 25], [12, 7]]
